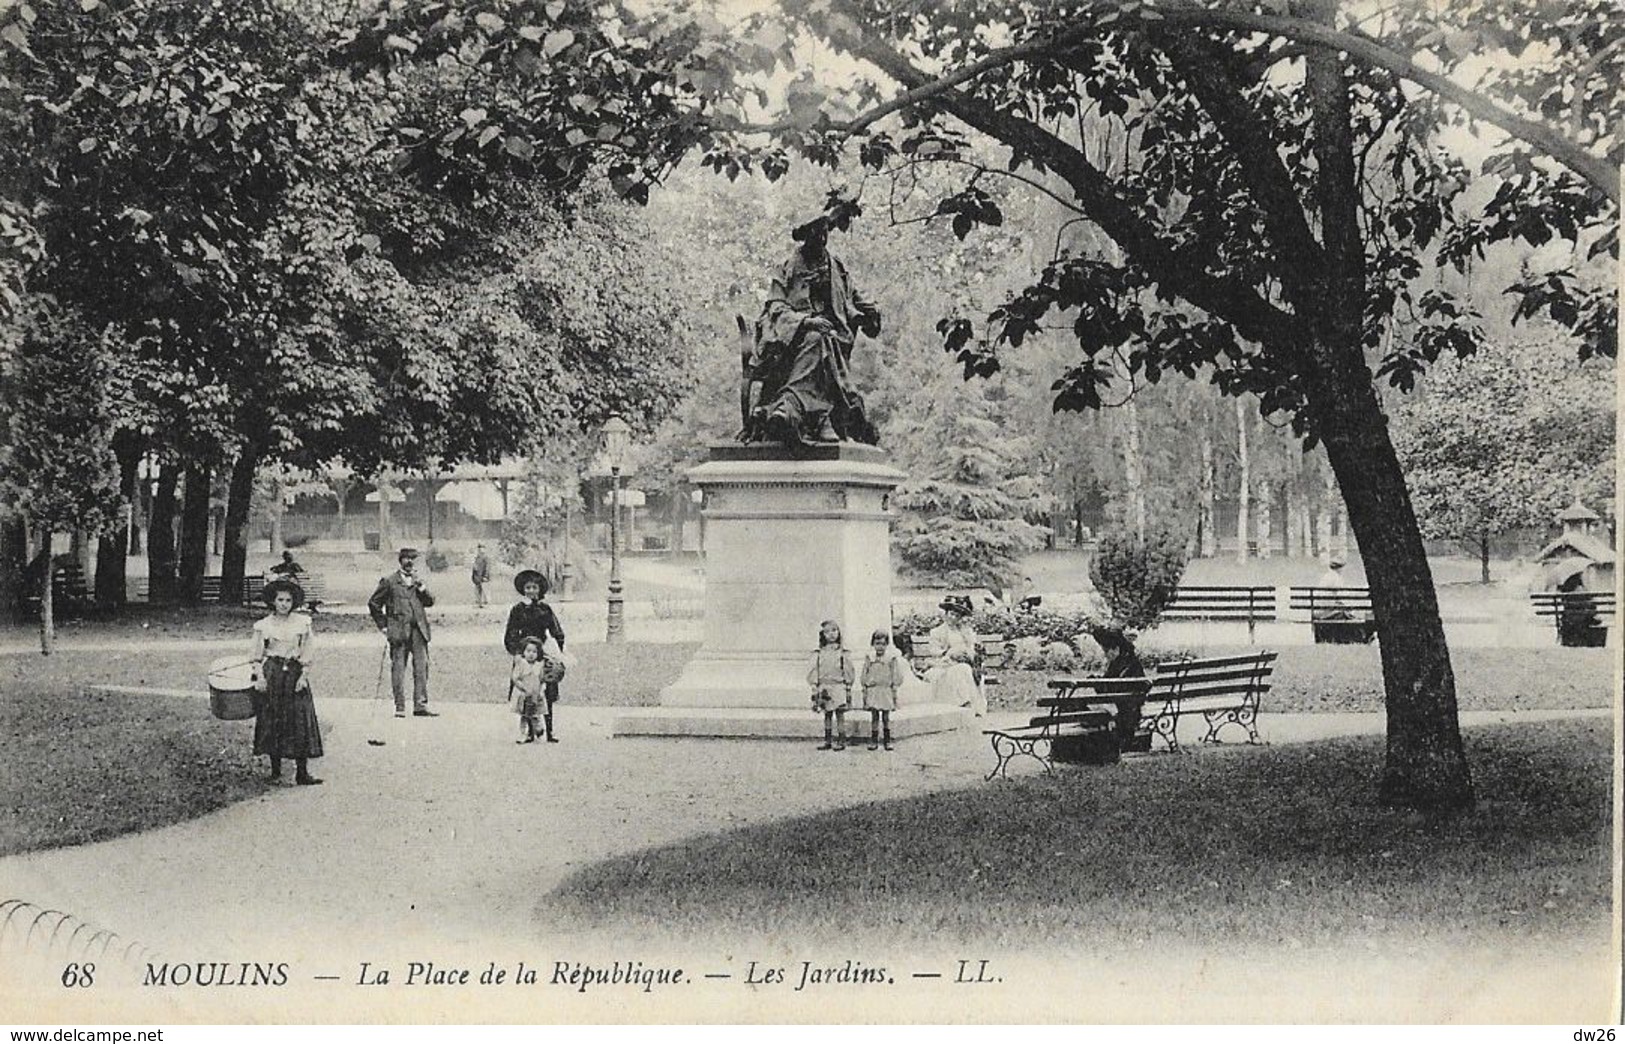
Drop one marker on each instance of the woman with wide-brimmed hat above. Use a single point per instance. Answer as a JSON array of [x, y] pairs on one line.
[[286, 725], [531, 616], [953, 677]]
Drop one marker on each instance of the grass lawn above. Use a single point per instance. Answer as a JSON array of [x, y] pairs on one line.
[[82, 769], [1278, 846]]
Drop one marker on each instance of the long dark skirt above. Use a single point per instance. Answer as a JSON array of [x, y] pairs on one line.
[[286, 725]]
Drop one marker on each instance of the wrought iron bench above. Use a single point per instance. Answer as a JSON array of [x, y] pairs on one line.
[[1339, 615], [1249, 605], [1067, 719], [1225, 690]]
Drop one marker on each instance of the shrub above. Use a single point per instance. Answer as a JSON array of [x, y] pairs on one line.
[[1136, 578]]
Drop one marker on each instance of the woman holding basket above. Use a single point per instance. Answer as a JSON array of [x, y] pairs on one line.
[[285, 725]]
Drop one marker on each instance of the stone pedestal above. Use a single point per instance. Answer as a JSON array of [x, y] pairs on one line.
[[790, 541]]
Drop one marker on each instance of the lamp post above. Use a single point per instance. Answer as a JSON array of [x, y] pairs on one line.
[[617, 438]]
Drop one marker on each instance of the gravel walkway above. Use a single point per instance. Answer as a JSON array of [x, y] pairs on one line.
[[443, 842]]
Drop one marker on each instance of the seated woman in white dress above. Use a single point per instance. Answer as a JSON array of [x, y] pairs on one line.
[[953, 677]]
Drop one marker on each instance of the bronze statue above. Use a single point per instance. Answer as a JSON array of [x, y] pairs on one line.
[[797, 385]]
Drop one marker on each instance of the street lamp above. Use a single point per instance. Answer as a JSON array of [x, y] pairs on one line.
[[617, 439]]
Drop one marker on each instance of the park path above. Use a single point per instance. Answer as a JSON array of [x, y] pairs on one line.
[[451, 831]]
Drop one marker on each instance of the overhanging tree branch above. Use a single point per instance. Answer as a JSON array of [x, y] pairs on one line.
[[1179, 270], [1110, 16]]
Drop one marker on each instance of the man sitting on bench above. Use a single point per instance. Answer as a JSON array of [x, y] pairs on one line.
[[1123, 662]]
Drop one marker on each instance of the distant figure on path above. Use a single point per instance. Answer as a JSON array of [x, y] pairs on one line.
[[397, 607], [531, 617], [480, 574], [285, 724]]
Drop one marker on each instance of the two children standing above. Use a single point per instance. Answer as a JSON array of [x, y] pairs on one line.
[[832, 676]]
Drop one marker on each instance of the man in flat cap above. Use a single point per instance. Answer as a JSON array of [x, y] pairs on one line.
[[397, 607]]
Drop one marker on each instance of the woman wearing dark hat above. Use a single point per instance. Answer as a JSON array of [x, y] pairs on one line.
[[286, 725], [532, 616], [1123, 662], [953, 677]]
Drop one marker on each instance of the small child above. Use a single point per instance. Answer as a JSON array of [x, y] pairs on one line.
[[883, 672], [831, 677], [525, 688]]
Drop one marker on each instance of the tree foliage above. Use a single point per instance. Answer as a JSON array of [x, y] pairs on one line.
[[964, 520], [1506, 440], [1137, 578]]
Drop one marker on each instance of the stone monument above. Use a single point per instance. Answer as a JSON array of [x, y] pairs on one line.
[[797, 524]]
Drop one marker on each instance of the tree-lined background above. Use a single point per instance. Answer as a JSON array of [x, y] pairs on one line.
[[1137, 258]]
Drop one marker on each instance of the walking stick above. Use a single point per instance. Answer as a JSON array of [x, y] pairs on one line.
[[378, 692]]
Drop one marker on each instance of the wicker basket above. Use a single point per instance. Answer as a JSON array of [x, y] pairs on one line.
[[231, 704], [231, 688]]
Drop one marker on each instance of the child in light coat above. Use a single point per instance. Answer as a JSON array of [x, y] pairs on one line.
[[526, 687], [831, 676], [884, 673]]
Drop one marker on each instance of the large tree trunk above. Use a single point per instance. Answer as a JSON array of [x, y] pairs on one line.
[[13, 564], [1426, 766], [195, 534], [1484, 556], [1244, 489], [234, 562], [161, 537], [112, 551]]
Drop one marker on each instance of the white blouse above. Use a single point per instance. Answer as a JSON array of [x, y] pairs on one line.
[[289, 636]]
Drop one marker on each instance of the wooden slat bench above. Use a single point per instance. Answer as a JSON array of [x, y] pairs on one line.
[[1067, 717], [69, 592], [315, 590], [1574, 611], [1249, 605], [211, 589], [1225, 690], [1339, 615]]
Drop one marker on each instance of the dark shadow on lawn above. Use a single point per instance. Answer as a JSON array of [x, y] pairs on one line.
[[1281, 845]]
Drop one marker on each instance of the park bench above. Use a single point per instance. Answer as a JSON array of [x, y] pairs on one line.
[[1069, 721], [315, 590], [993, 655], [69, 592], [211, 589], [1339, 615], [1248, 605], [1574, 612], [1225, 690]]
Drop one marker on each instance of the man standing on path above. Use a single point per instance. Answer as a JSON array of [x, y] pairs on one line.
[[480, 574], [397, 607]]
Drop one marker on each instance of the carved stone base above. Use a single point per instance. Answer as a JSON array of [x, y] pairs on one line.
[[789, 543]]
